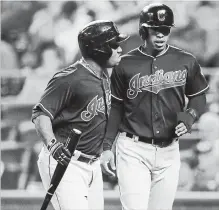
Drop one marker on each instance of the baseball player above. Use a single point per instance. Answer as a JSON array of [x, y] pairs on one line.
[[149, 114], [79, 97]]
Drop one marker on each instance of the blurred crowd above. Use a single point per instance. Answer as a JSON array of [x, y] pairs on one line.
[[27, 25], [39, 38]]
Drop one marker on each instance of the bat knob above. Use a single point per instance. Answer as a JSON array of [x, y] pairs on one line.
[[77, 131]]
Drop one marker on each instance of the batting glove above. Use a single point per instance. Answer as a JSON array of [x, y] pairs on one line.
[[188, 118], [59, 152]]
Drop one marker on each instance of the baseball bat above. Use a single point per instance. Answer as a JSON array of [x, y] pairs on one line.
[[60, 169]]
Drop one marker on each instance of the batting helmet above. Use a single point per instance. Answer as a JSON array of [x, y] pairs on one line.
[[94, 40], [155, 15]]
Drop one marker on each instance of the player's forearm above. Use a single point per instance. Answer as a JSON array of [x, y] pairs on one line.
[[44, 129], [198, 103], [195, 108], [114, 121]]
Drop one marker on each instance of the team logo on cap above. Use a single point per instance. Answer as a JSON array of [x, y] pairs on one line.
[[161, 15]]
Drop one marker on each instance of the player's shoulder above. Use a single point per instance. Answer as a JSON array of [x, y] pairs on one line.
[[131, 54], [181, 52], [65, 72], [66, 76]]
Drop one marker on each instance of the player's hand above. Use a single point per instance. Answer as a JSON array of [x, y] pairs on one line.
[[188, 118], [59, 152], [180, 129], [108, 163]]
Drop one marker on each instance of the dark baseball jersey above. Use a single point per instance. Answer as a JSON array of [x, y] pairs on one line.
[[77, 98], [153, 90]]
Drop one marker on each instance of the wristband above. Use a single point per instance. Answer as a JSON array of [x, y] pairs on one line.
[[193, 113], [107, 146], [51, 144]]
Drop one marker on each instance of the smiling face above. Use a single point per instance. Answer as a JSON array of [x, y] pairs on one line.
[[157, 38]]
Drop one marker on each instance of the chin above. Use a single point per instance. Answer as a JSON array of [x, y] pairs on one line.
[[114, 64], [159, 49], [117, 63], [119, 59]]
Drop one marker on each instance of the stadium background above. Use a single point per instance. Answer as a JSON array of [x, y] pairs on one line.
[[38, 38]]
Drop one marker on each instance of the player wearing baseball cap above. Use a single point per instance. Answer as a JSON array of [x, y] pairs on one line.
[[79, 97], [149, 113]]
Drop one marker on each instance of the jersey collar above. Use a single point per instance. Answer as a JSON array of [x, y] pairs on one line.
[[164, 52], [83, 62], [87, 66]]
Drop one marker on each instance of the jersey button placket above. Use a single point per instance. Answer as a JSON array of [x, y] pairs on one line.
[[154, 65], [154, 114]]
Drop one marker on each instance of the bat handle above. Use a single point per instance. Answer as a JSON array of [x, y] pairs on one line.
[[46, 201], [60, 170]]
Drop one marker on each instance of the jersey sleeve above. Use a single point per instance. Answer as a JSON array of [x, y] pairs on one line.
[[56, 95], [117, 83], [196, 83]]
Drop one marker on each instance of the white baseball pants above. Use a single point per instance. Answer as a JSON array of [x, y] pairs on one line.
[[148, 175], [81, 187]]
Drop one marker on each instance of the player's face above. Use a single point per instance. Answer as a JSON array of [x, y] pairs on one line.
[[116, 54], [158, 37]]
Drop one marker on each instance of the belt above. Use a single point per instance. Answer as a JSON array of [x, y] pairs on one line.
[[89, 159], [154, 141]]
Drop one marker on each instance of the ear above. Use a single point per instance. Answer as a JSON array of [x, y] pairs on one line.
[[143, 33]]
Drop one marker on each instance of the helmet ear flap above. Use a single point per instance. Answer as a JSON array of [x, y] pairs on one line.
[[100, 54], [103, 52], [143, 32]]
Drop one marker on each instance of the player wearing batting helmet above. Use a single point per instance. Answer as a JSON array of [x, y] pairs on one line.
[[149, 113], [79, 97]]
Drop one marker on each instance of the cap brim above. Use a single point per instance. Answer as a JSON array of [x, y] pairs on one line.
[[122, 37]]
